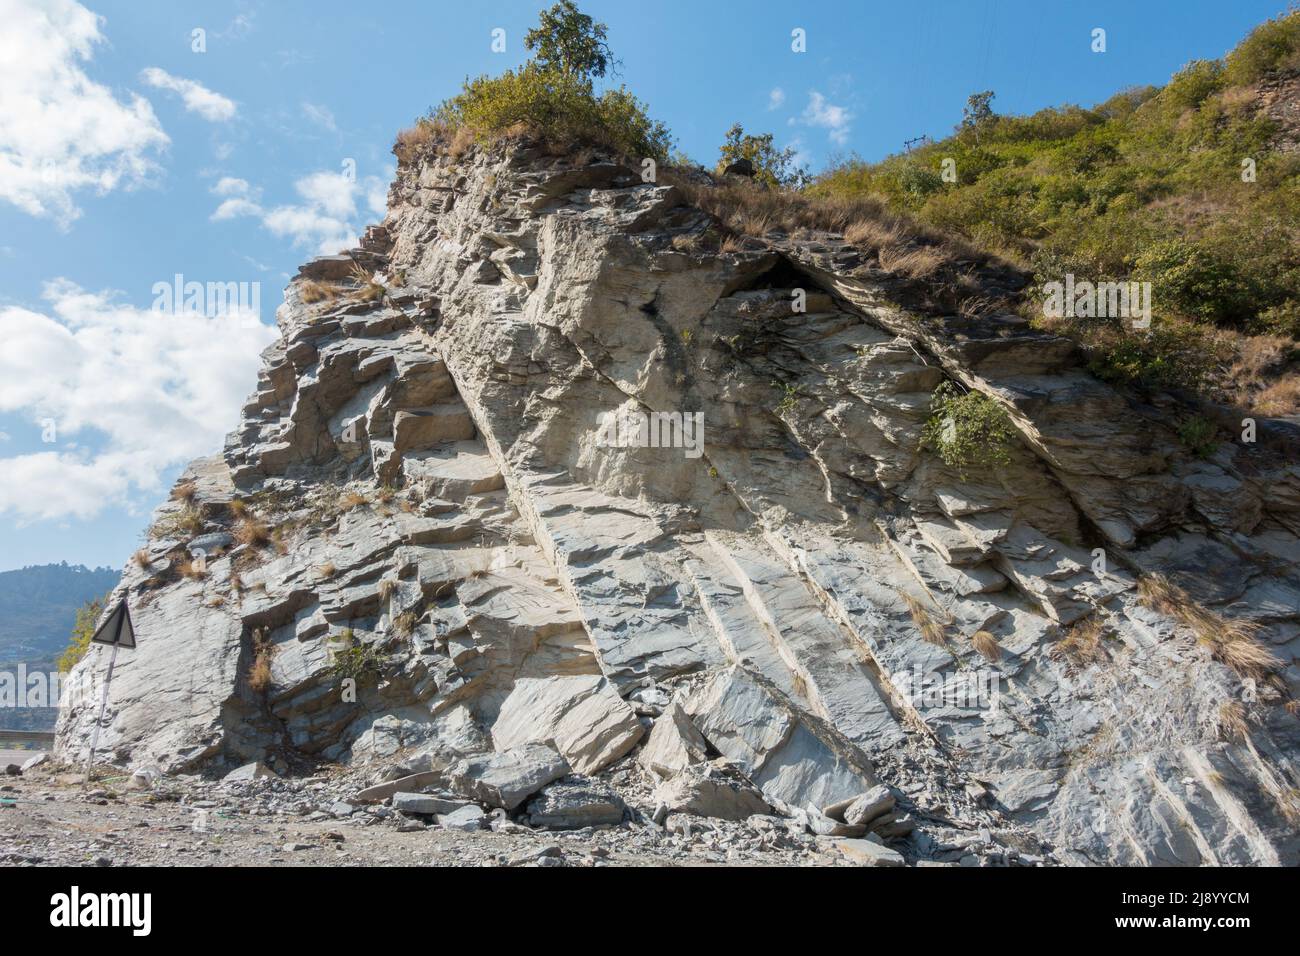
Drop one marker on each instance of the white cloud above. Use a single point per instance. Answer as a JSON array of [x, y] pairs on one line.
[[325, 222], [231, 186], [776, 98], [320, 116], [234, 208], [60, 132], [331, 192], [158, 388], [835, 119], [197, 98]]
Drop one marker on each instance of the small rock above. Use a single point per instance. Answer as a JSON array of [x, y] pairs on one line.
[[873, 804], [249, 771], [467, 819], [869, 853], [425, 803]]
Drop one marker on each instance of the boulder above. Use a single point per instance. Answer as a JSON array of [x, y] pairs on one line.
[[674, 744], [467, 819], [789, 754], [869, 852], [571, 804], [875, 803], [31, 763], [711, 790], [249, 771], [425, 804], [508, 778]]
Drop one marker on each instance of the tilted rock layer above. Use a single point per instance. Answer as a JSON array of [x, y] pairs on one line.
[[461, 563]]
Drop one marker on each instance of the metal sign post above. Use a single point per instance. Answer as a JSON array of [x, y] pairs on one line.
[[117, 631]]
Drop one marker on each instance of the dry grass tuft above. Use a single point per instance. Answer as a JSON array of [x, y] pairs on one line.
[[367, 290], [414, 141], [251, 530], [1081, 645], [404, 623], [191, 570], [931, 630], [986, 645], [141, 558], [186, 492], [386, 588], [259, 674], [1232, 642], [1232, 720], [352, 499], [311, 292], [327, 570]]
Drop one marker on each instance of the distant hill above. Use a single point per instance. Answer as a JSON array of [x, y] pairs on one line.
[[38, 606]]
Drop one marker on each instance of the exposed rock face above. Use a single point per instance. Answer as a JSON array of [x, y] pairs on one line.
[[503, 582]]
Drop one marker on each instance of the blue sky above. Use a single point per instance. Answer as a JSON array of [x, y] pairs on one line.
[[126, 157]]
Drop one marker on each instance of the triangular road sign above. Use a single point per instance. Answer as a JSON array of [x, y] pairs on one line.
[[117, 630]]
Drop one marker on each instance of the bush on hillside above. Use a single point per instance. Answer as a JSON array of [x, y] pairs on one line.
[[967, 429], [557, 106], [1273, 45]]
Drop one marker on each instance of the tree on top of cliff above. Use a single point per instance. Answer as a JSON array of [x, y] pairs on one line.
[[569, 41], [551, 95]]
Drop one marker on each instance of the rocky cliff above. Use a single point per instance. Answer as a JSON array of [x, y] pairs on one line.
[[421, 544]]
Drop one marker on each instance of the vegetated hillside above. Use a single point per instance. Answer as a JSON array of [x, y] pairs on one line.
[[1151, 185], [38, 606]]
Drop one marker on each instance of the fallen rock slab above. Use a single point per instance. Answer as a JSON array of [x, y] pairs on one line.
[[467, 819], [792, 756], [711, 790], [572, 805], [674, 744], [868, 852], [425, 803], [508, 778], [249, 771], [873, 804], [409, 784]]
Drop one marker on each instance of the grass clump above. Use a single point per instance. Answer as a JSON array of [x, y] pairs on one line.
[[1081, 645], [1234, 643], [251, 530], [932, 631], [967, 430], [986, 645], [311, 292], [1199, 435], [353, 661], [259, 673]]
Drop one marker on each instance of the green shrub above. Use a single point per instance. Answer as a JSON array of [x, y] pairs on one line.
[[1167, 355], [1190, 280], [1199, 435], [967, 430], [82, 631], [1273, 45], [559, 106], [355, 662], [772, 166], [1281, 319]]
